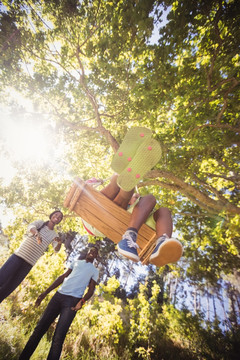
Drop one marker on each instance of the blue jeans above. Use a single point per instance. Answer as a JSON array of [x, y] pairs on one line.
[[59, 305], [12, 274]]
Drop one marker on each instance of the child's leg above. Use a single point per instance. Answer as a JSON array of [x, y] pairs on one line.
[[141, 211], [112, 189], [123, 197], [128, 246], [163, 221], [113, 192], [167, 250]]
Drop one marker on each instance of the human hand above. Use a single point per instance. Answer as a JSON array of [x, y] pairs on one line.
[[38, 237], [79, 305], [57, 243], [39, 299]]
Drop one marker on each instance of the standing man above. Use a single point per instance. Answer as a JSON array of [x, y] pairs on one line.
[[66, 302]]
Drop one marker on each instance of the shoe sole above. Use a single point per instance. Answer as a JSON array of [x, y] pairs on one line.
[[147, 156], [169, 252], [129, 146], [128, 255]]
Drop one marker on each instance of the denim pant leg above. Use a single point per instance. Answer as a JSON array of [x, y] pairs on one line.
[[52, 311], [65, 319], [12, 273]]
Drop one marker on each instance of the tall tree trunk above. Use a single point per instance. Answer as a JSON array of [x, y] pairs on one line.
[[233, 314], [208, 307], [195, 300], [175, 292], [226, 322], [214, 308]]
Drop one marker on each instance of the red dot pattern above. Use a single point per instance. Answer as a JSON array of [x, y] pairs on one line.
[[130, 159]]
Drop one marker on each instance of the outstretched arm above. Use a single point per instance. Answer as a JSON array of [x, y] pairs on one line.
[[91, 289], [36, 234], [55, 284], [59, 244]]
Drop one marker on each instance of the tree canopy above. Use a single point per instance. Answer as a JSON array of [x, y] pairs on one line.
[[91, 69], [94, 69]]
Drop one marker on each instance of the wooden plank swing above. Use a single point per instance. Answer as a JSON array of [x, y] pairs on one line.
[[107, 217]]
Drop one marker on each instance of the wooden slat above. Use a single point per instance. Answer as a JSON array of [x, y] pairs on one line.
[[102, 213], [70, 195]]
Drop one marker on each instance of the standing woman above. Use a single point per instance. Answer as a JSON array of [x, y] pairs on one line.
[[39, 235]]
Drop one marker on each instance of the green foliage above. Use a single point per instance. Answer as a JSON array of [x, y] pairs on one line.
[[92, 72], [11, 336], [106, 327]]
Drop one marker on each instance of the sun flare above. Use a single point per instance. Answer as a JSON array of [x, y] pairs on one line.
[[26, 141], [29, 141]]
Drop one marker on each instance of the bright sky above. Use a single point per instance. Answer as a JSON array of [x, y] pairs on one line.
[[28, 137], [22, 140]]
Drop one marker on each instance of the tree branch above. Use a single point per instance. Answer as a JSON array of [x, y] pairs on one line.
[[191, 192]]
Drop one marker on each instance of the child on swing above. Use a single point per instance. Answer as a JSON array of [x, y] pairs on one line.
[[136, 156]]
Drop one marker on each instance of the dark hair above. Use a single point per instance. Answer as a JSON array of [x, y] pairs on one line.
[[54, 212], [46, 222], [89, 248], [93, 247]]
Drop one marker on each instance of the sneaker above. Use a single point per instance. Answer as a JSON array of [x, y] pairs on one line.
[[128, 247], [167, 250]]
